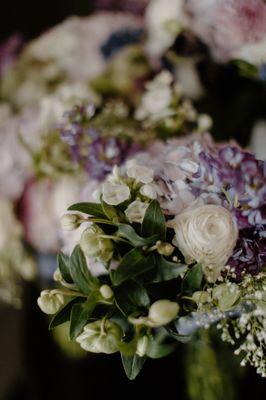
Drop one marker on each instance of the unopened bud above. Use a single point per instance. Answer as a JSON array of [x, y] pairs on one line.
[[162, 312], [165, 249], [70, 222], [100, 337], [201, 297], [142, 346], [226, 295], [50, 302], [106, 292]]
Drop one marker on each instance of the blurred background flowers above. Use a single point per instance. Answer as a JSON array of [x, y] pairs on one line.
[[81, 87]]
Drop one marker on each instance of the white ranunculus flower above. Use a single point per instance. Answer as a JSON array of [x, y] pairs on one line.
[[139, 172], [115, 193], [135, 211], [206, 234]]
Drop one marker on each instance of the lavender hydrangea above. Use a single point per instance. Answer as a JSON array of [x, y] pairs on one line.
[[90, 147]]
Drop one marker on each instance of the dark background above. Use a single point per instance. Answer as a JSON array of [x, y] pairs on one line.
[[31, 17]]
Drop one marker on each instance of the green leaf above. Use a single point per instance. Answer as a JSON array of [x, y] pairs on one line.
[[132, 365], [63, 315], [193, 279], [94, 209], [167, 270], [128, 232], [80, 315], [133, 263], [180, 338], [130, 296], [109, 211], [63, 265], [80, 272], [154, 221], [157, 349]]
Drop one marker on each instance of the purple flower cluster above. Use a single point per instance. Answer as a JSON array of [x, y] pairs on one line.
[[93, 151], [239, 179], [9, 50]]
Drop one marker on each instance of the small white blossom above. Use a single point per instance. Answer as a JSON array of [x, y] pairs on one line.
[[135, 211], [115, 193], [139, 172]]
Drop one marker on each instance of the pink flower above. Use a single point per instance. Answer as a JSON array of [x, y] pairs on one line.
[[227, 26]]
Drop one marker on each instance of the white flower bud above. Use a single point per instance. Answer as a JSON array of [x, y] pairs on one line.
[[139, 172], [201, 297], [162, 312], [94, 245], [206, 234], [226, 295], [50, 302], [100, 337], [149, 190], [106, 292], [204, 122], [135, 211], [142, 346], [70, 222], [165, 249], [115, 193]]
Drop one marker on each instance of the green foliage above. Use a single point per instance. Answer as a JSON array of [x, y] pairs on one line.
[[132, 365], [193, 279], [80, 315], [167, 270], [134, 263], [63, 265], [94, 209], [80, 272], [154, 221], [130, 296], [129, 233]]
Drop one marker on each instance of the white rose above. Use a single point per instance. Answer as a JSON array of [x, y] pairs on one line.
[[139, 172], [50, 302], [115, 193], [135, 211], [208, 235]]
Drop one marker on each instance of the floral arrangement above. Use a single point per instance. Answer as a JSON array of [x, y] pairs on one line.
[[175, 242], [166, 234]]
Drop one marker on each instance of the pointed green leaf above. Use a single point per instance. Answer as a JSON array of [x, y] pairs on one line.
[[133, 263], [109, 211], [94, 209], [167, 270], [131, 296], [80, 272], [63, 315], [128, 232], [193, 279], [154, 221], [80, 315], [132, 365], [63, 265]]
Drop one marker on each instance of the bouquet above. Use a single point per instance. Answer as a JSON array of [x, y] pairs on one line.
[[175, 242]]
